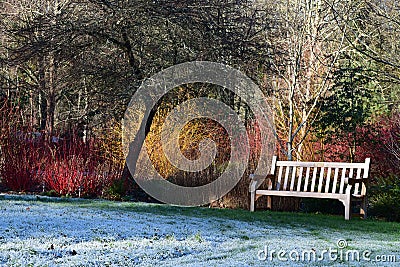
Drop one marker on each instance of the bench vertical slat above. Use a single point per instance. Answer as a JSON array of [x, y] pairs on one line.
[[321, 179], [328, 180], [278, 184], [293, 178], [314, 177], [335, 180], [299, 179], [363, 189], [273, 165], [342, 181], [351, 172], [357, 186], [286, 177], [365, 175], [307, 179]]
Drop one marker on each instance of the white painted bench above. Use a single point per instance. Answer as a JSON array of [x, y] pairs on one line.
[[332, 180]]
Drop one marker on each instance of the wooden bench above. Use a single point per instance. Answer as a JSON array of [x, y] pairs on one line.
[[332, 180]]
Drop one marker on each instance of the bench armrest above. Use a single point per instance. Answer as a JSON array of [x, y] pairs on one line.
[[257, 180]]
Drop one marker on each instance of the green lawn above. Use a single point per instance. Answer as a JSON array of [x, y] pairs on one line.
[[142, 234]]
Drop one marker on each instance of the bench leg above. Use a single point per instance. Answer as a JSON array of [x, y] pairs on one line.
[[363, 208], [269, 202], [347, 211], [252, 200], [347, 207]]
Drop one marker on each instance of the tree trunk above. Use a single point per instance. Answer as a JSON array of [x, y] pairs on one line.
[[51, 99], [42, 93]]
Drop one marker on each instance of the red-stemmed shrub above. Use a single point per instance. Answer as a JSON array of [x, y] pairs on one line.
[[79, 168], [36, 161], [21, 156], [20, 152]]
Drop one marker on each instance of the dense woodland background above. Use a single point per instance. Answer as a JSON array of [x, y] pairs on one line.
[[330, 69]]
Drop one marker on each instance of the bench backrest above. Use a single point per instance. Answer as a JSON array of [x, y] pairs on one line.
[[322, 177]]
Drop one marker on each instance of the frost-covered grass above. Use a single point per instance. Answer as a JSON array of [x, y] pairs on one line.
[[38, 231]]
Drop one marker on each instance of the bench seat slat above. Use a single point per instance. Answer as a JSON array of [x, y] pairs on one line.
[[299, 194]]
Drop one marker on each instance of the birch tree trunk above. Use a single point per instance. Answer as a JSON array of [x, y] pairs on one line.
[[305, 78]]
